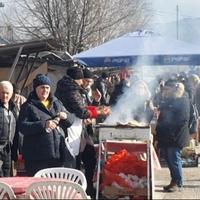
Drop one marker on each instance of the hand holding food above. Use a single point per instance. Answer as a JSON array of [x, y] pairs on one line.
[[104, 110]]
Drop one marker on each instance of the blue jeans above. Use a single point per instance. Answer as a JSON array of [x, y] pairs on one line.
[[173, 159]]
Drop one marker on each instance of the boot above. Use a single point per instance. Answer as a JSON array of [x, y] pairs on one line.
[[171, 185], [173, 188]]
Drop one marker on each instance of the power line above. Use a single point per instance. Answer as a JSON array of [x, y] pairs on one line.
[[169, 13]]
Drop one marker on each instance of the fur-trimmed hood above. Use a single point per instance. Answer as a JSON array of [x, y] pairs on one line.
[[175, 92]]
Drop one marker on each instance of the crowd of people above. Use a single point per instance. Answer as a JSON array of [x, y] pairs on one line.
[[56, 130], [51, 130]]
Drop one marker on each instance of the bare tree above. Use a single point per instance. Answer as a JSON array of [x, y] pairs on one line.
[[81, 24]]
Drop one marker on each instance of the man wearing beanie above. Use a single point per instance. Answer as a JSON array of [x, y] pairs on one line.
[[41, 80], [102, 85], [70, 91], [88, 153], [43, 121], [92, 94], [87, 83], [172, 130], [75, 73]]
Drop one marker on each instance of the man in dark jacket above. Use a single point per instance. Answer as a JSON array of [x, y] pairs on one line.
[[43, 120], [102, 85], [118, 91], [173, 129], [88, 154], [69, 90], [8, 133]]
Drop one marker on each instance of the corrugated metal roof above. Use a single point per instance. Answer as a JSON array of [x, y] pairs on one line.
[[28, 47], [9, 52]]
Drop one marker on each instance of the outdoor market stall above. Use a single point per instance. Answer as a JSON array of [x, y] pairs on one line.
[[131, 174]]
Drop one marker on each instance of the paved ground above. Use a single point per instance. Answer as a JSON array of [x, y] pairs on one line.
[[191, 189]]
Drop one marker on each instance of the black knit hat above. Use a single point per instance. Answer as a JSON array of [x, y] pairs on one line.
[[104, 75], [171, 83], [87, 73], [75, 73], [41, 79]]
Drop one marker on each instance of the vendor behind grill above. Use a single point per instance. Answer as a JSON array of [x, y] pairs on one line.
[[143, 109], [131, 101]]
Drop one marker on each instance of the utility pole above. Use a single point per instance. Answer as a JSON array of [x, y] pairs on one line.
[[1, 5], [177, 22]]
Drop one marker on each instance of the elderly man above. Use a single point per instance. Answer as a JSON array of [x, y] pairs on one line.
[[7, 127]]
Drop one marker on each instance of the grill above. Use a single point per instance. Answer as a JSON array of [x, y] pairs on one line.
[[121, 132]]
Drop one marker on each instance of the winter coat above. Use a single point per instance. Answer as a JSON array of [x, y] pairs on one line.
[[8, 129], [38, 143], [173, 122], [197, 98], [118, 91], [71, 95], [102, 86], [7, 126]]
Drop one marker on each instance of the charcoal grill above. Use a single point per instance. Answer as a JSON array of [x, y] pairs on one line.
[[117, 132]]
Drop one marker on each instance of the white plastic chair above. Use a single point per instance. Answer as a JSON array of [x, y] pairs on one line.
[[68, 174], [6, 192], [55, 190]]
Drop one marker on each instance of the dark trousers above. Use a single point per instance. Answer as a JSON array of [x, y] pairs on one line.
[[32, 166], [5, 162], [88, 157], [70, 163]]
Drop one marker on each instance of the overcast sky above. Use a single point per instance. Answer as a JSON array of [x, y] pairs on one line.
[[165, 10]]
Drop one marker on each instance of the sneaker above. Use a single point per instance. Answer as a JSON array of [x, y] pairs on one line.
[[180, 188]]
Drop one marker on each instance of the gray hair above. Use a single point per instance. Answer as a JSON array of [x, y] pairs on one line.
[[6, 84]]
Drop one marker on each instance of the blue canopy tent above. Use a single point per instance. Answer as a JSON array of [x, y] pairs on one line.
[[141, 47]]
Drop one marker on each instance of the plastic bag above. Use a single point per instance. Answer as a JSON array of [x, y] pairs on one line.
[[126, 163]]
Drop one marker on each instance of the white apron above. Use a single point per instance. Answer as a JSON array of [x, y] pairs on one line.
[[74, 136]]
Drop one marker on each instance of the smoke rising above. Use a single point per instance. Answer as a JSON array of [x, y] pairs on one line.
[[131, 104]]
